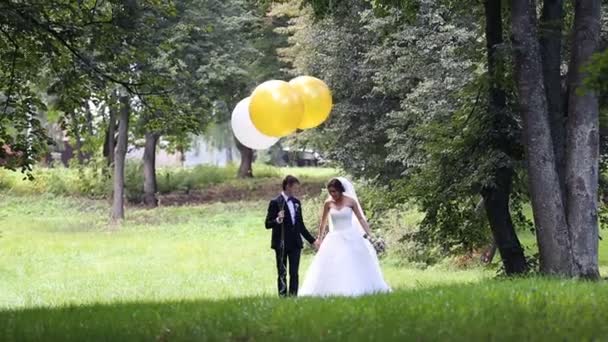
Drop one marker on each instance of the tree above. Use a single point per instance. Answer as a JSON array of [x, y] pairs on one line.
[[567, 226], [496, 196], [582, 152], [118, 210], [337, 50], [547, 202], [216, 57], [550, 31], [562, 186], [43, 41], [245, 168], [264, 66], [149, 158]]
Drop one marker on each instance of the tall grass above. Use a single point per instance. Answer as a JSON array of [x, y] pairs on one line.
[[94, 181], [206, 273], [56, 251]]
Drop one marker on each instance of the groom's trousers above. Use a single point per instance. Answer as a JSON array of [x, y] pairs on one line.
[[293, 256]]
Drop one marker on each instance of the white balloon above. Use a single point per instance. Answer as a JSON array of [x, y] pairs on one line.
[[245, 131]]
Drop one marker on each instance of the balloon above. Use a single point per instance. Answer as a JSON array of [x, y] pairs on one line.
[[317, 100], [245, 131], [276, 108]]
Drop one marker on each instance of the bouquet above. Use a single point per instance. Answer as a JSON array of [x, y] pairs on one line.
[[378, 243]]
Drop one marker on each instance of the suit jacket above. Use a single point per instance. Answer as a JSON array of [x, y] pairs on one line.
[[292, 230]]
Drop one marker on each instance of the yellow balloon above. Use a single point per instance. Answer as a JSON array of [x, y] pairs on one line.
[[276, 108], [317, 100]]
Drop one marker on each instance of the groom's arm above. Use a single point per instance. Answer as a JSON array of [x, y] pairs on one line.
[[305, 233], [271, 216]]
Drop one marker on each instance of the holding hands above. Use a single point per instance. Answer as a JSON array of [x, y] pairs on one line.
[[317, 244]]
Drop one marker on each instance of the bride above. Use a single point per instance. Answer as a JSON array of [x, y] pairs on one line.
[[346, 264]]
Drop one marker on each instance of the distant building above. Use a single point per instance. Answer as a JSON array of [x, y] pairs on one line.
[[300, 157], [200, 153], [204, 153]]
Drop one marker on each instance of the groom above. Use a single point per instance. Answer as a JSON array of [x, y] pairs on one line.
[[285, 219]]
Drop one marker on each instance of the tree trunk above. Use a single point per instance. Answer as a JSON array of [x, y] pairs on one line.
[[496, 202], [582, 154], [547, 201], [90, 123], [118, 207], [182, 155], [245, 170], [229, 158], [496, 197], [79, 153], [551, 51], [109, 149], [150, 170], [77, 138]]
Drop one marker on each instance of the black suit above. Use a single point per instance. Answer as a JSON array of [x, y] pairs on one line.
[[287, 242]]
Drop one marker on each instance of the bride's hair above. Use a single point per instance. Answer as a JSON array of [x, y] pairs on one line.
[[336, 184]]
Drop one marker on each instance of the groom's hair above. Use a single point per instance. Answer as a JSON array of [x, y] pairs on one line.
[[289, 181]]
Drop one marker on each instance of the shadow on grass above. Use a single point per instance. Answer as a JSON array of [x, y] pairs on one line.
[[525, 309]]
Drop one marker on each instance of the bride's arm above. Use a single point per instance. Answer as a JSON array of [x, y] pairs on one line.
[[323, 223], [360, 217]]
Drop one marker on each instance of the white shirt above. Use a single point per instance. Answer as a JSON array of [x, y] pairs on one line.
[[292, 209]]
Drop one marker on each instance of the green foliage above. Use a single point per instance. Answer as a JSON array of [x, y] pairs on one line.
[[70, 51], [134, 181], [411, 114], [323, 8], [356, 133], [92, 179], [206, 50], [174, 59], [597, 71]]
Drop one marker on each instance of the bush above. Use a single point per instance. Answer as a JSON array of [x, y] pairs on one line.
[[58, 180], [134, 181], [312, 210], [166, 181], [400, 227], [264, 171], [398, 224], [95, 179], [5, 182], [205, 175]]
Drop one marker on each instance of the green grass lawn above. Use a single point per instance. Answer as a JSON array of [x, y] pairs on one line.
[[200, 273]]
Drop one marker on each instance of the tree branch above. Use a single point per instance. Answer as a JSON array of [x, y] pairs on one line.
[[57, 36], [13, 67], [475, 105]]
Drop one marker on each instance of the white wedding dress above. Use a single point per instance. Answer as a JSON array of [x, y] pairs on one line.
[[346, 264]]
